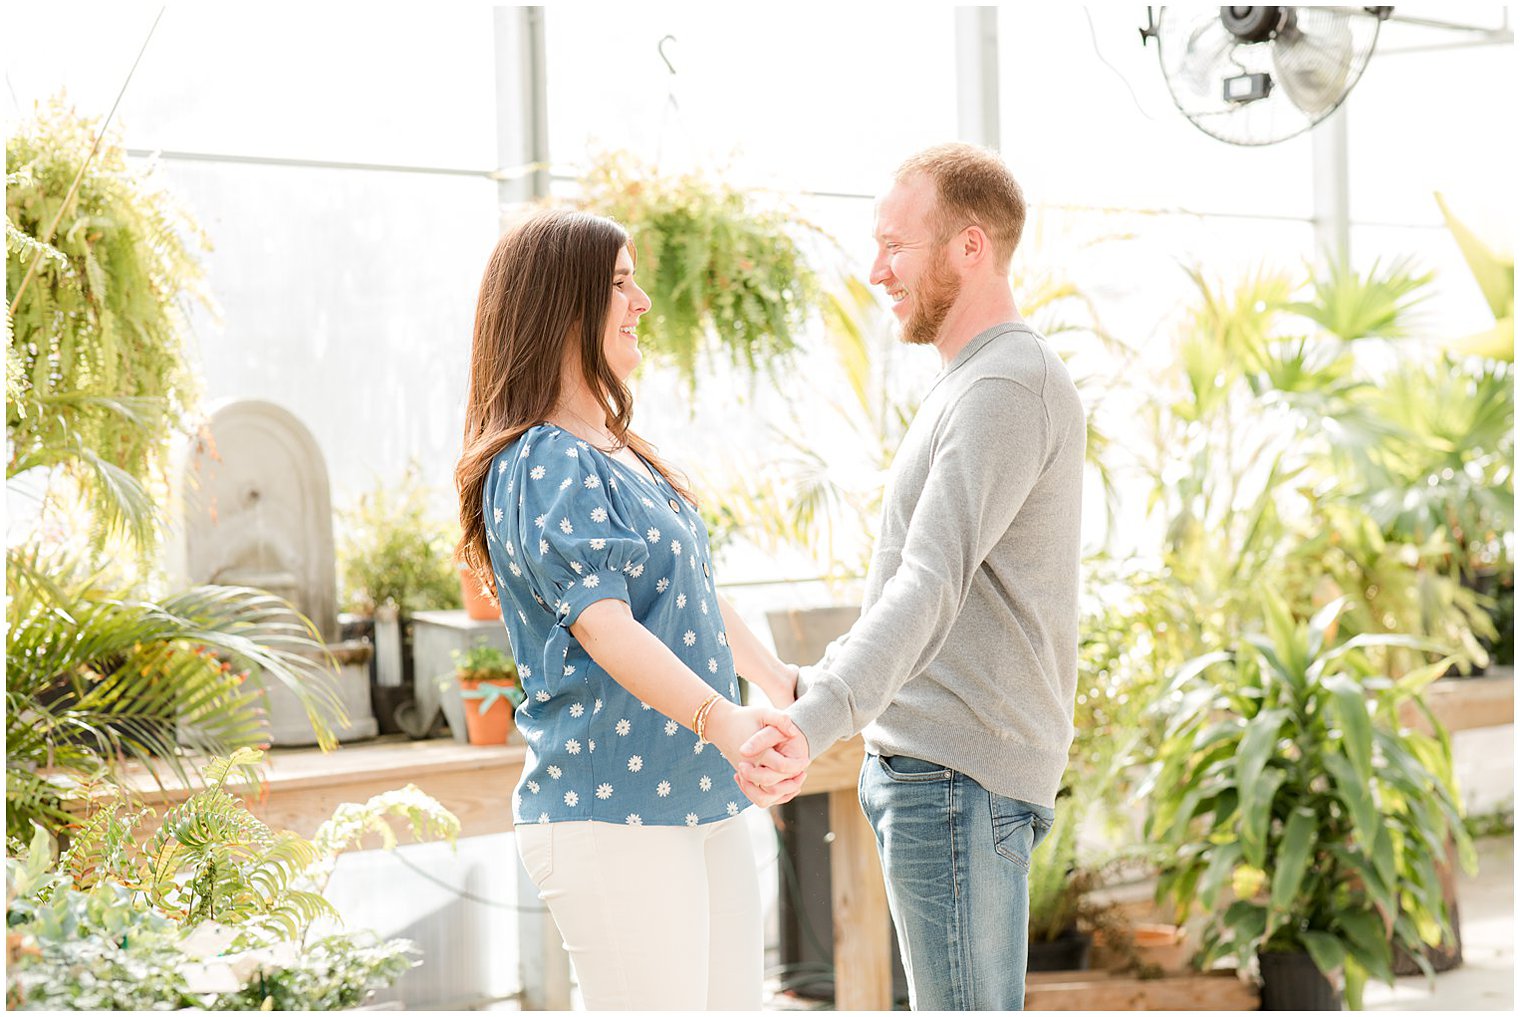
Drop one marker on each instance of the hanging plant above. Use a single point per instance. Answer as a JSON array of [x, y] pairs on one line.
[[97, 278], [724, 272]]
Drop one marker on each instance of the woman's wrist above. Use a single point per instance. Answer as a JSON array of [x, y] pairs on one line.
[[716, 728], [718, 714]]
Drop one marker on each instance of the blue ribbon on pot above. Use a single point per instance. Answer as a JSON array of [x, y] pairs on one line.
[[488, 693]]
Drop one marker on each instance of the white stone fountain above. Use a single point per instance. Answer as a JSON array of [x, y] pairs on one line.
[[256, 512]]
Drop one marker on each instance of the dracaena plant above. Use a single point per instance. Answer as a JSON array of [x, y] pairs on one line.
[[1287, 775]]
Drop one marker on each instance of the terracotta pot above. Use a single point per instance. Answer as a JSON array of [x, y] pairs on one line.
[[1165, 946], [479, 603], [493, 726]]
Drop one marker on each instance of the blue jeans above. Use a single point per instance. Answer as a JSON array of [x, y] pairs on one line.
[[956, 861]]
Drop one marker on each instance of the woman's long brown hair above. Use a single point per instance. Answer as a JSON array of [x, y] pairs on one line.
[[549, 282]]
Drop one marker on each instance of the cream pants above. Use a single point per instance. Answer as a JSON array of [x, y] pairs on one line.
[[653, 917]]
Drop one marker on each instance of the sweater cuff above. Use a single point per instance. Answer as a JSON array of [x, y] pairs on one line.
[[822, 714], [803, 683]]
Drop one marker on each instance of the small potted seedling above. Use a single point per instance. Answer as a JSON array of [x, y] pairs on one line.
[[488, 685]]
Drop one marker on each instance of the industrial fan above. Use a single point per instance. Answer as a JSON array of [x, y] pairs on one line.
[[1259, 75]]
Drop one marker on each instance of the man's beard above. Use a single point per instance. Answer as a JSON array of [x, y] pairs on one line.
[[933, 297]]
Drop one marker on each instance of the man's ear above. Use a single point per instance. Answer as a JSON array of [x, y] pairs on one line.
[[973, 245]]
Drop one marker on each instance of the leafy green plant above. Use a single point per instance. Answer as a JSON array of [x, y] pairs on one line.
[[337, 972], [1444, 463], [1286, 773], [100, 270], [1281, 459], [393, 550], [1495, 275], [484, 662], [724, 272], [1058, 887], [1116, 683], [97, 382], [824, 500], [97, 677], [213, 911]]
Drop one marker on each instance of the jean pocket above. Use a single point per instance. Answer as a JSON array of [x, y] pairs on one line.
[[912, 770], [1016, 828], [535, 846]]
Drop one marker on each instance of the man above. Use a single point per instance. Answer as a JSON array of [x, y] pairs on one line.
[[961, 670]]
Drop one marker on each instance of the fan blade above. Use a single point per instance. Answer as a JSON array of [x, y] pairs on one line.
[[1312, 56], [1208, 46]]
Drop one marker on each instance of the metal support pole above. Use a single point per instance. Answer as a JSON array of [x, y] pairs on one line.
[[1332, 188], [522, 159], [522, 117], [976, 61]]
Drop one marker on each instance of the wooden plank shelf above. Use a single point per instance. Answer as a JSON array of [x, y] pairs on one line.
[[1102, 990], [1462, 704]]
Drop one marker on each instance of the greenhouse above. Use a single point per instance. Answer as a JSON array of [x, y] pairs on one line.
[[963, 507]]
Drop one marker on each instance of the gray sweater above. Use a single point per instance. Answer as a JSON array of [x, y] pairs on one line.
[[965, 653]]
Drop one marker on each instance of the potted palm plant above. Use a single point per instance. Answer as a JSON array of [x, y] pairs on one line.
[[488, 685], [1285, 777]]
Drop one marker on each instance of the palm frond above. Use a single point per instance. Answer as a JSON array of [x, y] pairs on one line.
[[97, 677], [1352, 305]]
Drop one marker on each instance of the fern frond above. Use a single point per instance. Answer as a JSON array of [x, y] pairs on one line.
[[102, 845]]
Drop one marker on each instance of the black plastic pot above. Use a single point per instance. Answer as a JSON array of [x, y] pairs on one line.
[[1290, 981], [387, 700], [1067, 952]]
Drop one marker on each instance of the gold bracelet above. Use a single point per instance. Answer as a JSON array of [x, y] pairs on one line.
[[705, 704], [706, 712], [699, 719], [707, 715]]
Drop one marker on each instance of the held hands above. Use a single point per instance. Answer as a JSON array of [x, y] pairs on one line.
[[775, 757], [732, 728]]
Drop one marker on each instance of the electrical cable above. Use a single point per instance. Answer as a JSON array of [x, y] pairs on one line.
[[1092, 33], [466, 894], [794, 975], [105, 126]]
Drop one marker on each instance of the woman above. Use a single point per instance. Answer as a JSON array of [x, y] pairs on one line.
[[627, 819]]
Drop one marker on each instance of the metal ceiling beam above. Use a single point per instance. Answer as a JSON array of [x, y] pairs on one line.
[[522, 117], [976, 76]]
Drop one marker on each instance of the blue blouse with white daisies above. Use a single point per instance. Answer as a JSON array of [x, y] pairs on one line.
[[566, 526]]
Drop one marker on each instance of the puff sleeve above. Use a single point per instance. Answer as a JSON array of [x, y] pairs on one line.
[[576, 547]]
